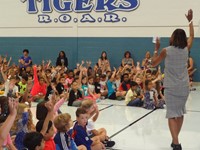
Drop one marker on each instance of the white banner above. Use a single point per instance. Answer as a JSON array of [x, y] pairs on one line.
[[95, 18]]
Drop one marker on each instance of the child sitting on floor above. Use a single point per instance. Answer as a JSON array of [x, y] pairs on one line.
[[132, 98], [45, 127], [103, 86], [91, 89], [112, 92], [22, 125], [159, 102], [149, 101], [63, 139], [80, 132], [34, 141], [75, 96], [8, 107], [125, 84], [93, 113], [70, 78]]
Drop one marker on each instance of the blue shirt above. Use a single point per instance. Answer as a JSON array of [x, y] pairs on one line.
[[85, 90], [81, 137], [111, 88], [64, 141], [26, 60]]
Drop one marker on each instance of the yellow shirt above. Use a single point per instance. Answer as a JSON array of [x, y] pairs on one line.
[[22, 87], [129, 96]]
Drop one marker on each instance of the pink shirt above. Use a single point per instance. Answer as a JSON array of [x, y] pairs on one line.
[[57, 106]]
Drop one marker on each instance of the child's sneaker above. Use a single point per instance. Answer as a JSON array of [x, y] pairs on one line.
[[98, 100], [109, 143], [102, 97]]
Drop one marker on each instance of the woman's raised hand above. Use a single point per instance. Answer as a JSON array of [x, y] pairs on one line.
[[189, 16], [157, 44]]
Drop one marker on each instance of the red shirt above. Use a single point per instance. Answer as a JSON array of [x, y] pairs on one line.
[[50, 145], [127, 85], [37, 88]]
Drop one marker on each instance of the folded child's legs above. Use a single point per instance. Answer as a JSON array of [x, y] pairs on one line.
[[82, 147], [136, 102], [105, 93], [95, 139], [120, 93], [98, 146], [77, 103], [97, 96], [102, 134]]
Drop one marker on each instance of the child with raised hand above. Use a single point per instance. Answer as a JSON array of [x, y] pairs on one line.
[[60, 87], [125, 83], [56, 100], [45, 127], [112, 92], [11, 89], [63, 139], [75, 96], [80, 132], [159, 102], [103, 86], [91, 89], [70, 78], [149, 100], [84, 86], [22, 125], [83, 81], [23, 85], [9, 114], [93, 113], [38, 90]]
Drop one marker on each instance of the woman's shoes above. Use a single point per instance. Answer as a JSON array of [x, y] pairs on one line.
[[172, 145], [176, 146]]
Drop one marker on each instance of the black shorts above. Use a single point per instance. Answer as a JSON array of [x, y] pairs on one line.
[[113, 96]]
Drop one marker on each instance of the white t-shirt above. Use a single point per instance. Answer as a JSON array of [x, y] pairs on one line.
[[117, 82], [103, 85], [14, 90], [90, 126], [91, 88]]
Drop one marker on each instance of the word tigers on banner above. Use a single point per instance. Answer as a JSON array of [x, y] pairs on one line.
[[83, 7]]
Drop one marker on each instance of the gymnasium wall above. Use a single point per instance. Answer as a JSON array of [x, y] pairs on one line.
[[47, 26]]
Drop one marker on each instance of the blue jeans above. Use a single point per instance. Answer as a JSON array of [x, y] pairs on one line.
[[136, 102]]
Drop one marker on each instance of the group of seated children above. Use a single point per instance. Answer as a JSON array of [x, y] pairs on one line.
[[82, 87], [37, 83], [53, 131]]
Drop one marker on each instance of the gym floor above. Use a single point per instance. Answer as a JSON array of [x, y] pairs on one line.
[[135, 128]]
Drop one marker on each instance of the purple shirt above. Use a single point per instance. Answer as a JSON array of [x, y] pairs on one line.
[[26, 60]]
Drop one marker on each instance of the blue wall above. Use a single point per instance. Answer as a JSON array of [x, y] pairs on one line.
[[78, 49]]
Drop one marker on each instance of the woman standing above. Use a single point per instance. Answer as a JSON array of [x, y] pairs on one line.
[[176, 81], [62, 59]]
